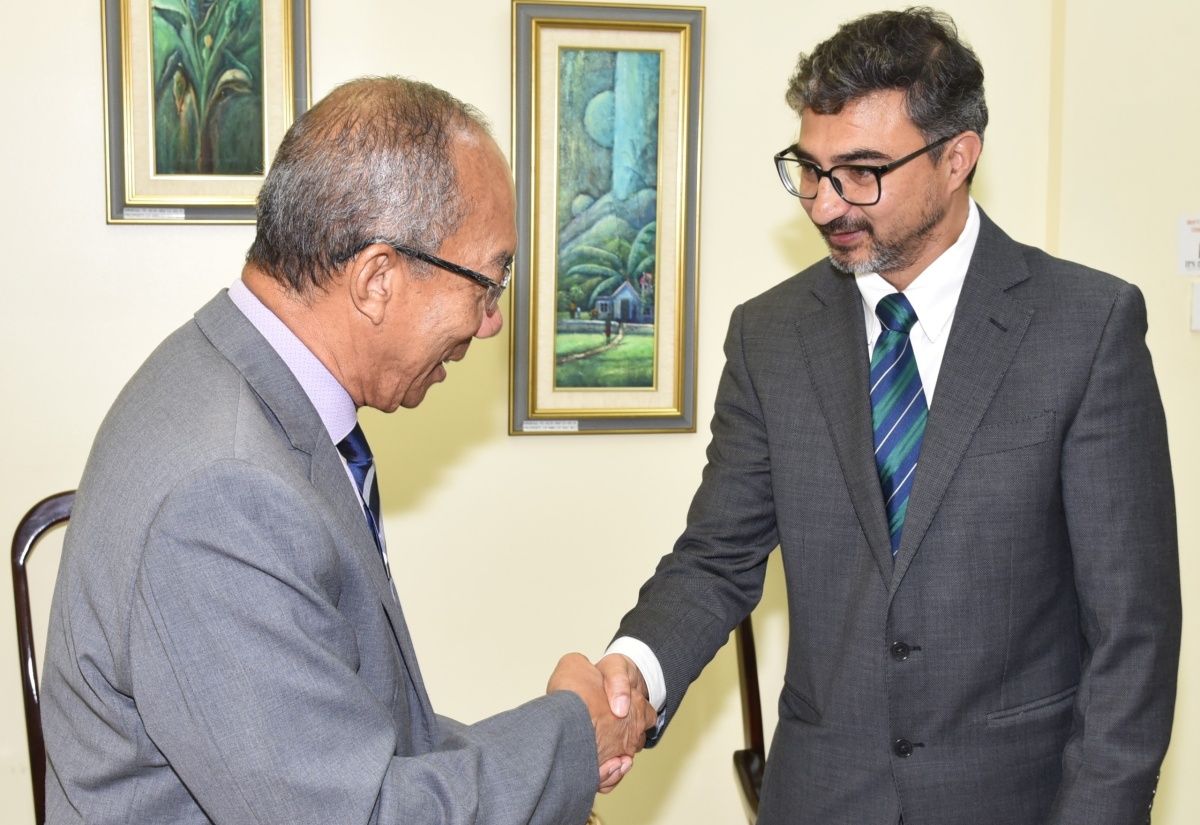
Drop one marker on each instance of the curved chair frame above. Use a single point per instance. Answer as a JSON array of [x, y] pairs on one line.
[[44, 515], [750, 762]]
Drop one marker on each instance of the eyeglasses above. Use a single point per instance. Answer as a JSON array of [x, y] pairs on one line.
[[494, 288], [856, 184]]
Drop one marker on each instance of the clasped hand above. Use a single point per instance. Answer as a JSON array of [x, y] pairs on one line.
[[616, 698]]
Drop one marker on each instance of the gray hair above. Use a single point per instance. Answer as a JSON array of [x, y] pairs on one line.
[[917, 50], [373, 159]]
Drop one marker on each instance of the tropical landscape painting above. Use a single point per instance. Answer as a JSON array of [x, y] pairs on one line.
[[208, 87], [607, 201]]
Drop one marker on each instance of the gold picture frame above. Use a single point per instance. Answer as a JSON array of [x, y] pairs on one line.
[[198, 95], [607, 103]]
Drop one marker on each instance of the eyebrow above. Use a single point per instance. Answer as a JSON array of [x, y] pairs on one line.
[[853, 156]]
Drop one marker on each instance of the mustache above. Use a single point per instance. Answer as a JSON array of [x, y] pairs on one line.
[[844, 224]]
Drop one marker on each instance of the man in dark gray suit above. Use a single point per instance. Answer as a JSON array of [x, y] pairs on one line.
[[957, 443], [226, 644]]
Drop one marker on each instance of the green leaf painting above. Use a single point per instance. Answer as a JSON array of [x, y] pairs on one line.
[[606, 218], [208, 87]]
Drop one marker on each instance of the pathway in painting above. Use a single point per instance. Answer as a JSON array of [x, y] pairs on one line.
[[566, 359]]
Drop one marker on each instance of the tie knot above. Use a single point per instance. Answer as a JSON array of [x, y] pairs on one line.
[[354, 448], [896, 313]]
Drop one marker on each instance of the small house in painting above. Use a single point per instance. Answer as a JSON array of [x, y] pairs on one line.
[[625, 305]]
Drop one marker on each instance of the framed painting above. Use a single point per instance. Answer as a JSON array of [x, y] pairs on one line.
[[606, 148], [198, 95]]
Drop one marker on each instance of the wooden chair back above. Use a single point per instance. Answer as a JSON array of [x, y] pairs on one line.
[[750, 761], [44, 515]]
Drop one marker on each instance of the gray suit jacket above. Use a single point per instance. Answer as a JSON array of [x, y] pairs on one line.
[[224, 645], [1016, 664]]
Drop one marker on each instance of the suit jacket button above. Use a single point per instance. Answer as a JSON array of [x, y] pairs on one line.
[[900, 651], [902, 748]]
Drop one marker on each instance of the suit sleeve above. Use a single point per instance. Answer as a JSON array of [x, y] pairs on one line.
[[1119, 503], [246, 667], [714, 576]]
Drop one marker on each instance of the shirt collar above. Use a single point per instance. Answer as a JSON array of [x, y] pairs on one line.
[[934, 293], [333, 404]]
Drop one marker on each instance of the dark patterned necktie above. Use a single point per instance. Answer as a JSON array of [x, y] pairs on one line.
[[898, 409], [357, 452]]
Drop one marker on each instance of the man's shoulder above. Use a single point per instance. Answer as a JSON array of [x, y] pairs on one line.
[[197, 382], [1068, 274], [185, 386], [185, 411], [1046, 277], [806, 291], [185, 407]]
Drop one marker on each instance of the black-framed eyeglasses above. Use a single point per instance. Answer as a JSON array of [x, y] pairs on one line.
[[494, 288], [856, 183]]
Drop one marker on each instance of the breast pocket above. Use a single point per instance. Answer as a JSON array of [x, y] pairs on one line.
[[1013, 435]]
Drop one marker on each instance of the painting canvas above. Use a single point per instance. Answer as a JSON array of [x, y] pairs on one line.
[[607, 217], [198, 95], [606, 150], [208, 93]]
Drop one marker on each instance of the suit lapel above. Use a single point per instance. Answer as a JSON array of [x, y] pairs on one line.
[[266, 373], [833, 340], [329, 478], [987, 330]]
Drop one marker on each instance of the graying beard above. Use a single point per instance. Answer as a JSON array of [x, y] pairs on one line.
[[889, 257]]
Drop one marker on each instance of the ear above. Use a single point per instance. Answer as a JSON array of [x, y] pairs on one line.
[[962, 153], [373, 277]]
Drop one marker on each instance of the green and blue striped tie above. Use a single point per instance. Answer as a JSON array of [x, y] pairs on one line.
[[898, 409]]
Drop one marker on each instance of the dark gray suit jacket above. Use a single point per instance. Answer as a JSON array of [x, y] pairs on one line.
[[1016, 664], [224, 645]]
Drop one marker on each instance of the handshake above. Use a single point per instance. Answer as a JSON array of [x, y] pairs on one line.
[[616, 698]]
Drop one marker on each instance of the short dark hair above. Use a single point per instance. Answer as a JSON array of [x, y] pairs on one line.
[[917, 50], [373, 159]]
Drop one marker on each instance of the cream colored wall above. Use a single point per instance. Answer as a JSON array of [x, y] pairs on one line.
[[502, 563], [1127, 107]]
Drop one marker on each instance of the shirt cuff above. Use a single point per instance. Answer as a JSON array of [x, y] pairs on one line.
[[642, 656]]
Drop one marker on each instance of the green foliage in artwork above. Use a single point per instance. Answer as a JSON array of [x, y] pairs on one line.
[[598, 268], [577, 273], [208, 99], [592, 255], [573, 343], [577, 295], [642, 251], [630, 365]]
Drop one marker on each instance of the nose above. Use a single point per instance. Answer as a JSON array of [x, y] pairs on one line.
[[827, 205], [491, 324]]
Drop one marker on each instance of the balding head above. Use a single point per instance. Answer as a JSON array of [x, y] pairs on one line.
[[373, 159]]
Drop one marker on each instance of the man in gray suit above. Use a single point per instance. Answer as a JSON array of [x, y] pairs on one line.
[[974, 507], [226, 644]]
